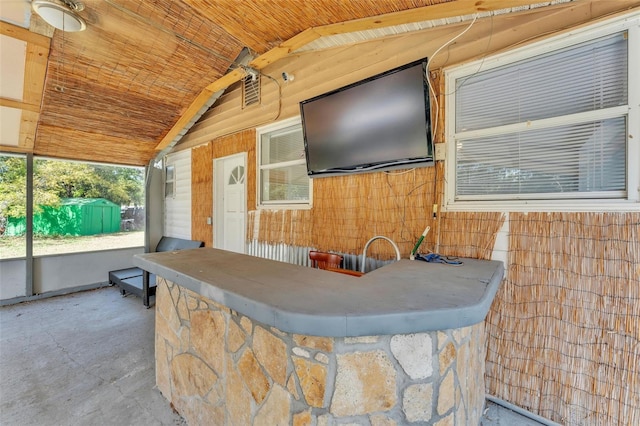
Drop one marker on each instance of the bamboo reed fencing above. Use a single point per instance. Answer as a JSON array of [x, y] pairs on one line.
[[469, 234], [201, 194], [348, 210], [564, 329], [113, 91]]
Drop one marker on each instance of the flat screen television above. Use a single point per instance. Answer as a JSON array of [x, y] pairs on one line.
[[380, 123]]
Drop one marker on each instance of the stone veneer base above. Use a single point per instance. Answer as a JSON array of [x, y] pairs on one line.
[[217, 367]]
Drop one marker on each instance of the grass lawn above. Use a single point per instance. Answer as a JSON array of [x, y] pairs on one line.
[[43, 245]]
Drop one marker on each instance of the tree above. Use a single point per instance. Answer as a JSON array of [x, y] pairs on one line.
[[121, 185], [12, 186], [53, 180]]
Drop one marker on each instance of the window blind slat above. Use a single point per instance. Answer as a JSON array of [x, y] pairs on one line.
[[572, 156], [586, 77], [283, 146], [282, 178], [575, 158]]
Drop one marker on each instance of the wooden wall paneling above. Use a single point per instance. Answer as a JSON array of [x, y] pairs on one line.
[[249, 137], [301, 226], [265, 219], [397, 205], [347, 211]]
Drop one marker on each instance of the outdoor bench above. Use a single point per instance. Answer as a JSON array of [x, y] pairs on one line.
[[140, 282]]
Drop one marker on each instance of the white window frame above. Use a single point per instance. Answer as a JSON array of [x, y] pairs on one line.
[[629, 23], [284, 204], [170, 183]]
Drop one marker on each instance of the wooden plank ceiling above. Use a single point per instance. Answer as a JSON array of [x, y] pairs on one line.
[[116, 92]]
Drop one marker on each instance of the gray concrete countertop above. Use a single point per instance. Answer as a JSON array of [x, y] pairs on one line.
[[407, 296]]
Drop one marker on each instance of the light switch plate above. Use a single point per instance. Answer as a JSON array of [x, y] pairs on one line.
[[440, 153]]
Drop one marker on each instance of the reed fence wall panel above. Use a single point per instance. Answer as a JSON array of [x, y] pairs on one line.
[[348, 210], [469, 234], [564, 329], [201, 194]]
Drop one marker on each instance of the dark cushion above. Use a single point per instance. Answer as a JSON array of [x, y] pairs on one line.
[[172, 244]]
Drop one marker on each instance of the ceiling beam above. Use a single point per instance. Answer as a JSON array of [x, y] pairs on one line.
[[438, 11], [35, 71], [24, 34], [427, 13], [16, 149], [285, 48], [28, 129], [12, 103]]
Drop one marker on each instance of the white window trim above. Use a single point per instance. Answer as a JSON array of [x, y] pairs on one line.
[[172, 182], [278, 205], [629, 22]]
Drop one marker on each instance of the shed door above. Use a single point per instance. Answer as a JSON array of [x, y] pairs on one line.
[[98, 217], [230, 203]]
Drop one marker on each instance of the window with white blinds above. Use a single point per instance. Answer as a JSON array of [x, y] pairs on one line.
[[170, 181], [282, 177], [551, 125]]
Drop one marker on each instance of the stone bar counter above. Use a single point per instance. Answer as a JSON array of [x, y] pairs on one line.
[[242, 340]]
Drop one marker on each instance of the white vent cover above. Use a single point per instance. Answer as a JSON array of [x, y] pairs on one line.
[[251, 90]]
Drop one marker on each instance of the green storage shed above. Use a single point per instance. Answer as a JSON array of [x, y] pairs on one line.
[[74, 216]]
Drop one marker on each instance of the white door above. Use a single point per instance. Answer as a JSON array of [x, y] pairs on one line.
[[230, 201]]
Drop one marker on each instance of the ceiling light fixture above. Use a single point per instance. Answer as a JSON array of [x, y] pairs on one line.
[[60, 14]]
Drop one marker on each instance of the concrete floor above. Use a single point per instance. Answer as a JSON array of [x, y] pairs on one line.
[[81, 359], [87, 359], [496, 415]]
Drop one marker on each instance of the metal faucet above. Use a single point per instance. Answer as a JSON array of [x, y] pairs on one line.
[[366, 246]]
